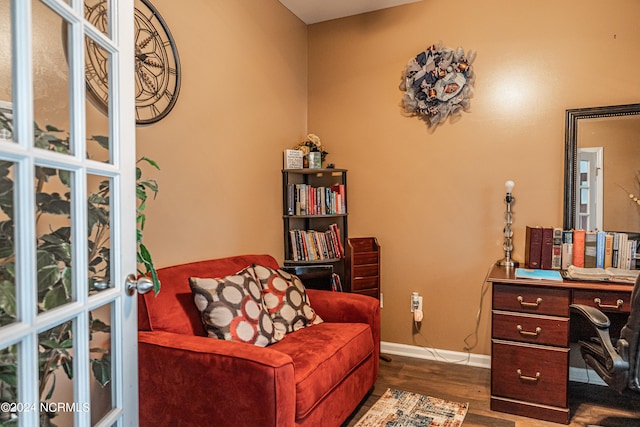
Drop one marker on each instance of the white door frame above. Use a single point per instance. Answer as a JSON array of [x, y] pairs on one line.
[[121, 170]]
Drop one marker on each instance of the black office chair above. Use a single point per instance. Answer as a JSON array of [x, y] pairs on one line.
[[617, 363]]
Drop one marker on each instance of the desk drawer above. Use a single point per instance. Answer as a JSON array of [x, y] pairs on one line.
[[531, 299], [530, 373], [612, 301], [549, 330]]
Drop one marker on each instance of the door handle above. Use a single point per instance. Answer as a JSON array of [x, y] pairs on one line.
[[142, 284]]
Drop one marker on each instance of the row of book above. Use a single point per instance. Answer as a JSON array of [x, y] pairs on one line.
[[305, 199], [312, 245], [557, 249]]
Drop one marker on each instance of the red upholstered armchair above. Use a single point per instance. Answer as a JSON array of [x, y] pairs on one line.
[[315, 376]]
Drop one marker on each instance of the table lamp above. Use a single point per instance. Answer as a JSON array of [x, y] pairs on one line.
[[507, 261]]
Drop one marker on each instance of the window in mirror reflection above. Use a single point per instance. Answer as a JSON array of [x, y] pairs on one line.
[[588, 213]]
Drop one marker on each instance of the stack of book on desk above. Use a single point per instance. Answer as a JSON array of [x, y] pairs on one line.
[[601, 274], [556, 249]]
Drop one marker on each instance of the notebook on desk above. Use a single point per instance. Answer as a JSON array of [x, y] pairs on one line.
[[539, 274]]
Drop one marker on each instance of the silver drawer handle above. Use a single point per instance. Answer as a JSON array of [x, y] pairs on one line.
[[526, 378], [600, 305], [529, 304], [529, 333]]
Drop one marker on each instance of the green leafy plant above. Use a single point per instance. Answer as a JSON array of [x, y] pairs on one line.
[[54, 260]]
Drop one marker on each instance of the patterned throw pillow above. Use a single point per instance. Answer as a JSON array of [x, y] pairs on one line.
[[285, 299], [231, 309]]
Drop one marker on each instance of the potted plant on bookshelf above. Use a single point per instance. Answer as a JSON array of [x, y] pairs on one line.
[[313, 151]]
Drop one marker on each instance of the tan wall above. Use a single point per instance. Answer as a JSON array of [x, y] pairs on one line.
[[435, 198], [243, 100]]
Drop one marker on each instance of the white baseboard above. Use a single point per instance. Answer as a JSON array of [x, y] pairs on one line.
[[470, 359], [576, 374]]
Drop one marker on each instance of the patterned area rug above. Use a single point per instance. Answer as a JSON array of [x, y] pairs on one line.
[[397, 408]]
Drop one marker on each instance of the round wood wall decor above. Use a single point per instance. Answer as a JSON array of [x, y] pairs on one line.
[[438, 83]]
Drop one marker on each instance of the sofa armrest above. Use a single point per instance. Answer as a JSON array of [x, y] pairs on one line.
[[176, 371], [344, 307]]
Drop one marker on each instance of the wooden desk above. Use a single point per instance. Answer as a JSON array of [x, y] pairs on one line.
[[530, 335]]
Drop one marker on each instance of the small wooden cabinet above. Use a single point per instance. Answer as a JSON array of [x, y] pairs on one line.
[[530, 351], [363, 266], [531, 331]]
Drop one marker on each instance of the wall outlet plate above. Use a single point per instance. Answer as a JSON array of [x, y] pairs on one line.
[[415, 301]]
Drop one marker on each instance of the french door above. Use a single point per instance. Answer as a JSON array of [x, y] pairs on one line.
[[68, 346]]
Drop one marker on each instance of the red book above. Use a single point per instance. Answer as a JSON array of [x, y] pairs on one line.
[[578, 247], [547, 249], [533, 247]]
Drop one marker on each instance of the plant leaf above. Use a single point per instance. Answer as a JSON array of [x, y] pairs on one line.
[[55, 298], [148, 160], [103, 141], [65, 177], [8, 298], [98, 325], [101, 369]]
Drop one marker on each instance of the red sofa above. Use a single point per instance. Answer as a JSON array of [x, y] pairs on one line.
[[315, 376]]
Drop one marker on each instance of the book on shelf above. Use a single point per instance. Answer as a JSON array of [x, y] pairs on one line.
[[578, 247], [313, 245], [533, 247], [538, 274], [305, 199], [590, 238], [547, 248], [560, 249], [556, 254], [336, 284], [600, 241], [567, 249], [608, 250]]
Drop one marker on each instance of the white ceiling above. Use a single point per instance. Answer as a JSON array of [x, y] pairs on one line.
[[312, 11]]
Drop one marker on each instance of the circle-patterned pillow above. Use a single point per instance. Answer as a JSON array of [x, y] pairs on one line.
[[285, 298], [231, 309]]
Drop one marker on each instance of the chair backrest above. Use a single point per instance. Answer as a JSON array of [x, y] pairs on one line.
[[173, 310], [631, 333]]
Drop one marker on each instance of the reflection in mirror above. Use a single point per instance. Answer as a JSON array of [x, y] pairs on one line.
[[602, 162]]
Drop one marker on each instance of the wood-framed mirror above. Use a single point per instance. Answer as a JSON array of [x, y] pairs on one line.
[[602, 167]]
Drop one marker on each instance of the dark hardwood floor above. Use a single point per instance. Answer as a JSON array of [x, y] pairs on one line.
[[589, 404]]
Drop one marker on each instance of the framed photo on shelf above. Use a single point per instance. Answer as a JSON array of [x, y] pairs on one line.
[[293, 159]]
